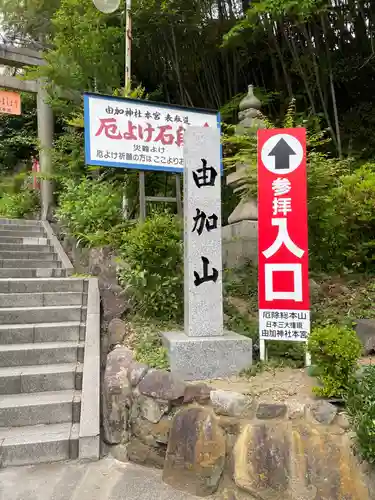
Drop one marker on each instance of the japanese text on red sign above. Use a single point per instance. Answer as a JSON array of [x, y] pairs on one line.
[[282, 259]]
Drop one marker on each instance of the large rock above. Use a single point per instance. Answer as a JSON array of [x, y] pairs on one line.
[[136, 373], [117, 396], [197, 392], [196, 452], [231, 404], [152, 410], [274, 461], [261, 461], [103, 264], [143, 454], [365, 329], [152, 434], [160, 384], [323, 412], [116, 331], [267, 411]]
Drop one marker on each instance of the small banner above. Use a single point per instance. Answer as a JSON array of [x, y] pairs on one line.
[[284, 309]]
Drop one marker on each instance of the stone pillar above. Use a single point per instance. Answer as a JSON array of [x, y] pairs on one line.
[[204, 350], [45, 136], [240, 235]]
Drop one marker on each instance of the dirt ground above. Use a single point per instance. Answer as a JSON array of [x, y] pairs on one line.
[[272, 385]]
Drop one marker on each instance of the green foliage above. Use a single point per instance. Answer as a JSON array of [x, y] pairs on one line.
[[340, 300], [152, 268], [18, 135], [360, 406], [76, 61], [18, 205], [89, 210], [335, 352], [150, 351], [343, 234]]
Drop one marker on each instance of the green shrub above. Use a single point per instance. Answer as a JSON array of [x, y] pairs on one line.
[[360, 406], [335, 352], [152, 267], [350, 219], [19, 205], [89, 210]]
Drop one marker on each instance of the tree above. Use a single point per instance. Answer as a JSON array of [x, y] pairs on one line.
[[18, 135]]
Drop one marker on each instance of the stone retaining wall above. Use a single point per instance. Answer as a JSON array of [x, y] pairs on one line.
[[214, 441]]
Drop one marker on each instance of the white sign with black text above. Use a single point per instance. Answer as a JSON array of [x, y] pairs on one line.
[[202, 244], [144, 135]]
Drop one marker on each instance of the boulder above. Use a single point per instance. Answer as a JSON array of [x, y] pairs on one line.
[[143, 454], [268, 411], [152, 434], [297, 461], [296, 409], [199, 393], [160, 384], [323, 412], [152, 410], [196, 452], [103, 264], [116, 331], [119, 452], [231, 404], [113, 301], [365, 329], [136, 373], [117, 396], [261, 461], [343, 421]]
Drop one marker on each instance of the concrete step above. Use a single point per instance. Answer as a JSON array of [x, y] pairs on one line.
[[24, 240], [21, 221], [40, 378], [20, 226], [22, 254], [38, 444], [43, 353], [32, 273], [30, 315], [35, 231], [72, 331], [14, 285], [42, 299], [14, 233], [11, 247], [56, 407], [29, 264]]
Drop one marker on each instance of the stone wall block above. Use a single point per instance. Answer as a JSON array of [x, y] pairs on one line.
[[196, 452]]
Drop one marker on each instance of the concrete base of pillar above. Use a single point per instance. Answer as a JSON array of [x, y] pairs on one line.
[[203, 358]]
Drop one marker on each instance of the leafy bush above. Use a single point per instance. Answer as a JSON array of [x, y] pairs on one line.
[[152, 267], [360, 406], [348, 220], [335, 352], [19, 205], [150, 350], [89, 210]]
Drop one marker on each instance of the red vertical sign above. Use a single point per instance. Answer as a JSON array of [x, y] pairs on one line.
[[282, 235]]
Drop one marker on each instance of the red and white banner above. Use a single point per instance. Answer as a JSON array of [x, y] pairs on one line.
[[282, 235]]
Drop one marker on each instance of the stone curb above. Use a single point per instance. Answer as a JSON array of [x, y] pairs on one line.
[[89, 432], [66, 264]]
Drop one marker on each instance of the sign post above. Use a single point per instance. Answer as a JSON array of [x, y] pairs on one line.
[[284, 308]]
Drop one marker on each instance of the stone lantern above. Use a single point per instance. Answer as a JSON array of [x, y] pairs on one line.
[[240, 235]]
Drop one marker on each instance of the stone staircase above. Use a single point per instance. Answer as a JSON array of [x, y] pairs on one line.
[[49, 365]]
